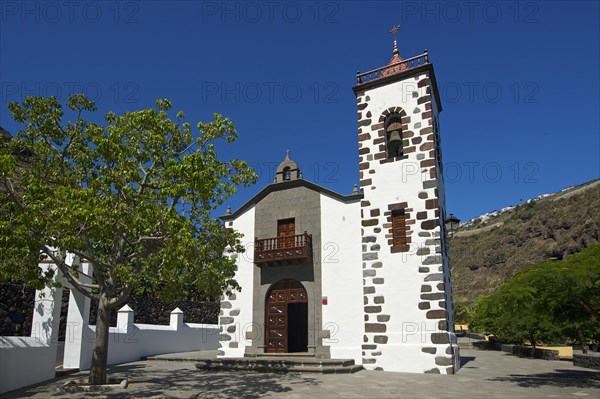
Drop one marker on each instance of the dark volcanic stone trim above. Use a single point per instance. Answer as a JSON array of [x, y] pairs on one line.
[[380, 339], [436, 314], [375, 328], [433, 371], [444, 361], [440, 338]]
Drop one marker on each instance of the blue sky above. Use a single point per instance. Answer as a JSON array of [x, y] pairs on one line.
[[519, 81]]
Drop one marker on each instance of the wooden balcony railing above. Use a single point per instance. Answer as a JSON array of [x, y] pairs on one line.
[[283, 250], [380, 72]]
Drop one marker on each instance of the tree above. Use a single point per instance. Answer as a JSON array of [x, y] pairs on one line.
[[513, 314], [132, 196], [551, 299], [570, 292]]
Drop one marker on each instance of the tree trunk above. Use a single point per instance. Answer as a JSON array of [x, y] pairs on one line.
[[584, 348], [100, 352]]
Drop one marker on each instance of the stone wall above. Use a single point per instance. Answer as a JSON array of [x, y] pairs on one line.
[[16, 310], [306, 212], [525, 351], [152, 311], [587, 361]]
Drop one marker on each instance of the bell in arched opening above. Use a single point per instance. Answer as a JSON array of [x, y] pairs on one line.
[[287, 173], [394, 138], [287, 170]]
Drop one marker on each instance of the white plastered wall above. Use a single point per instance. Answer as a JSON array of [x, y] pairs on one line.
[[341, 270], [241, 306]]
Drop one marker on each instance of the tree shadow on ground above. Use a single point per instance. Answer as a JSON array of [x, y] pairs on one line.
[[558, 378], [191, 383], [153, 380]]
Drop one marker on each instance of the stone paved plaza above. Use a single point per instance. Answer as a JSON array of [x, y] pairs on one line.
[[485, 374]]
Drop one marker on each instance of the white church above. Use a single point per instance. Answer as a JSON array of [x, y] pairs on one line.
[[363, 276]]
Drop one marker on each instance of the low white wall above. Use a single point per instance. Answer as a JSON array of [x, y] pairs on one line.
[[25, 361], [146, 340], [129, 342], [29, 360]]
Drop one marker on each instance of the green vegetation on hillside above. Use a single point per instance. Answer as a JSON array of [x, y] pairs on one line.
[[553, 301], [550, 228]]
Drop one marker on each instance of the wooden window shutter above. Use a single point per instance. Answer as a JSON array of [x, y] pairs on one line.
[[399, 227]]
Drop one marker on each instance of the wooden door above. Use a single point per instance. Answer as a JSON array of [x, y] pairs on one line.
[[282, 294], [286, 229], [277, 318]]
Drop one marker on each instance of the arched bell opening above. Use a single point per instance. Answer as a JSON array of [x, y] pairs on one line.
[[287, 173], [393, 135], [286, 317]]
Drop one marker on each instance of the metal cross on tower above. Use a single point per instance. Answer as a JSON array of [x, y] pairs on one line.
[[394, 30]]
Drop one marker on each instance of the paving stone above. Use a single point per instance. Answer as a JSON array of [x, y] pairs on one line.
[[490, 374], [496, 374]]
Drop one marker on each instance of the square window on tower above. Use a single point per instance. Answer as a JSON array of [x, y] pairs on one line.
[[400, 241]]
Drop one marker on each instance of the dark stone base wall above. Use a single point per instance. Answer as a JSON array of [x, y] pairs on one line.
[[16, 311], [152, 311], [587, 361], [537, 353]]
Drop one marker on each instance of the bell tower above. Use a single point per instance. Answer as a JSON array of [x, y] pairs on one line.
[[408, 316]]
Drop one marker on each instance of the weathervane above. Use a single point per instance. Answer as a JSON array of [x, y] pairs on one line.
[[394, 30]]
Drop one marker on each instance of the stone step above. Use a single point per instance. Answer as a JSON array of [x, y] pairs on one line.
[[290, 361], [329, 369], [61, 372], [282, 355], [279, 365]]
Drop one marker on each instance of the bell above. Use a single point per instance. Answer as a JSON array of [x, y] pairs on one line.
[[394, 143], [395, 139]]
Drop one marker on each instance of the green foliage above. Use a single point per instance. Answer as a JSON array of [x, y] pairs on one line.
[[463, 312], [550, 300], [133, 196]]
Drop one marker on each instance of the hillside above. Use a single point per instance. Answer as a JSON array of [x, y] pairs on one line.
[[491, 248]]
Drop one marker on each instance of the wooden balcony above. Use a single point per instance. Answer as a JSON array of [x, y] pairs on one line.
[[283, 250]]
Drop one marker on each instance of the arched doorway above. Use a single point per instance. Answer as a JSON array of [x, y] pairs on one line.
[[286, 317]]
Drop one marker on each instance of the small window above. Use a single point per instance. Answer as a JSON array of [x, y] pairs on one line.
[[393, 135], [399, 228]]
